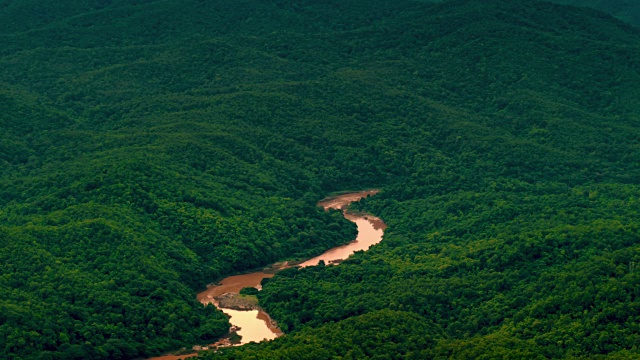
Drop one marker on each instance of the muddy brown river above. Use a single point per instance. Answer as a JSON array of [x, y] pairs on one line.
[[370, 229], [256, 325]]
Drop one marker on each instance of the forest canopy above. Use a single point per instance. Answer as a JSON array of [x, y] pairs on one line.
[[151, 147]]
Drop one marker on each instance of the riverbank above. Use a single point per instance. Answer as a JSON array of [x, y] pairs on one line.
[[246, 315], [255, 327], [238, 302]]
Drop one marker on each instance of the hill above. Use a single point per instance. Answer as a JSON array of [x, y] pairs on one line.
[[151, 147], [625, 10], [628, 11]]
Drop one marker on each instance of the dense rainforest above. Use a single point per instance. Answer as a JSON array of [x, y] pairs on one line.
[[151, 147], [626, 10]]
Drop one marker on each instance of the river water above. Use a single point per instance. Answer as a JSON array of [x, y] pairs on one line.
[[254, 325], [257, 325], [370, 230]]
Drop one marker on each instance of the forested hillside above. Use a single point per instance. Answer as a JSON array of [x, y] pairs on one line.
[[626, 10], [150, 147]]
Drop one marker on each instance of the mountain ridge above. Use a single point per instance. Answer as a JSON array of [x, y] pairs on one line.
[[149, 153]]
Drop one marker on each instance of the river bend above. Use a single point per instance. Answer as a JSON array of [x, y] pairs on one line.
[[256, 325]]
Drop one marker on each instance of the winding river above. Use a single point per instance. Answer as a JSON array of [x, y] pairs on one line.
[[256, 325]]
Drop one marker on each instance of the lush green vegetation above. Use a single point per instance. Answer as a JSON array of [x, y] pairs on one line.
[[150, 147], [625, 10]]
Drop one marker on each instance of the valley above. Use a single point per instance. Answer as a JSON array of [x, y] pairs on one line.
[[148, 148]]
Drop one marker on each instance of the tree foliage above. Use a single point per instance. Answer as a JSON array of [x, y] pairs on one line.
[[151, 147]]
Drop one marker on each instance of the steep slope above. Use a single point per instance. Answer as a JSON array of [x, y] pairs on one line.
[[151, 147]]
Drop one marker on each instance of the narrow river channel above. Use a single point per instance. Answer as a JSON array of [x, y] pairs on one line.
[[256, 325]]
